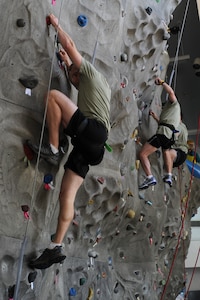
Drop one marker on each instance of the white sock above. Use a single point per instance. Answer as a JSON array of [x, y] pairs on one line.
[[169, 174], [53, 245], [149, 176], [54, 149]]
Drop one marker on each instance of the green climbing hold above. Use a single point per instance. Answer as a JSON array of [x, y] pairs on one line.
[[108, 147]]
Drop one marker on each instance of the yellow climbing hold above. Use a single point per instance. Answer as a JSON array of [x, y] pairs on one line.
[[131, 214], [90, 202], [134, 134], [184, 199], [90, 294], [130, 194], [137, 164]]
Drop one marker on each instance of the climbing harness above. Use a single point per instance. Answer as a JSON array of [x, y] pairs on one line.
[[173, 129]]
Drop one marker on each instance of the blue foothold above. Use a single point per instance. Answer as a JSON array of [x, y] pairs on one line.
[[48, 178], [72, 292], [82, 20]]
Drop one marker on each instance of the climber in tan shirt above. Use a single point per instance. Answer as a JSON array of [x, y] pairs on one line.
[[164, 137]]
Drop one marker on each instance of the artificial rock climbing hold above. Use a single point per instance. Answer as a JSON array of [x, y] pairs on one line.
[[148, 202], [124, 82], [124, 57], [48, 182], [30, 82], [25, 209], [56, 277], [31, 278], [116, 289], [110, 261], [82, 281], [108, 147], [72, 292], [142, 215], [151, 238], [29, 154], [137, 296], [48, 178], [137, 164], [148, 10], [11, 291], [20, 23], [131, 214], [135, 133], [92, 255], [82, 20], [90, 294], [121, 255], [100, 180]]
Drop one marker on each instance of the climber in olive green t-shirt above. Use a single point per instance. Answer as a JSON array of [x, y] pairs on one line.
[[165, 135], [87, 123]]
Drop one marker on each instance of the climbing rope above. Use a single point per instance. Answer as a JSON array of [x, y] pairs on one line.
[[186, 294], [36, 171], [183, 216]]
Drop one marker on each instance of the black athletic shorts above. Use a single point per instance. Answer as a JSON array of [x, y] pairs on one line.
[[88, 145], [160, 140], [180, 158]]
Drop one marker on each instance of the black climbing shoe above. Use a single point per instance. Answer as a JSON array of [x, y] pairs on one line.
[[46, 153], [48, 258]]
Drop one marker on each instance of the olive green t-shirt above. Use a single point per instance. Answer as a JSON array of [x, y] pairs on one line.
[[170, 114], [181, 141], [94, 94]]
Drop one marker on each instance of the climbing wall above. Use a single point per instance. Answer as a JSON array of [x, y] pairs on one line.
[[122, 241]]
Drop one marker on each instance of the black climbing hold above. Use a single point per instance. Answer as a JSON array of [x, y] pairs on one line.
[[29, 82], [148, 10], [25, 208], [124, 57], [174, 29], [57, 271], [82, 20], [11, 291], [21, 22], [32, 276]]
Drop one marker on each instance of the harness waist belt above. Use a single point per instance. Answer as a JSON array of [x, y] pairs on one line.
[[170, 126]]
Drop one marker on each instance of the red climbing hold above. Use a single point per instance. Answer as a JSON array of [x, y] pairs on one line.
[[25, 209], [28, 152], [100, 179]]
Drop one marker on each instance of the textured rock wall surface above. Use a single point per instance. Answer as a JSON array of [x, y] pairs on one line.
[[135, 234]]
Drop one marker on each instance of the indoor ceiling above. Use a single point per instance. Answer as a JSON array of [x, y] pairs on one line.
[[186, 82]]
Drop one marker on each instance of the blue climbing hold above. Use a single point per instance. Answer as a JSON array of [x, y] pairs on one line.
[[82, 20], [72, 292], [48, 178]]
